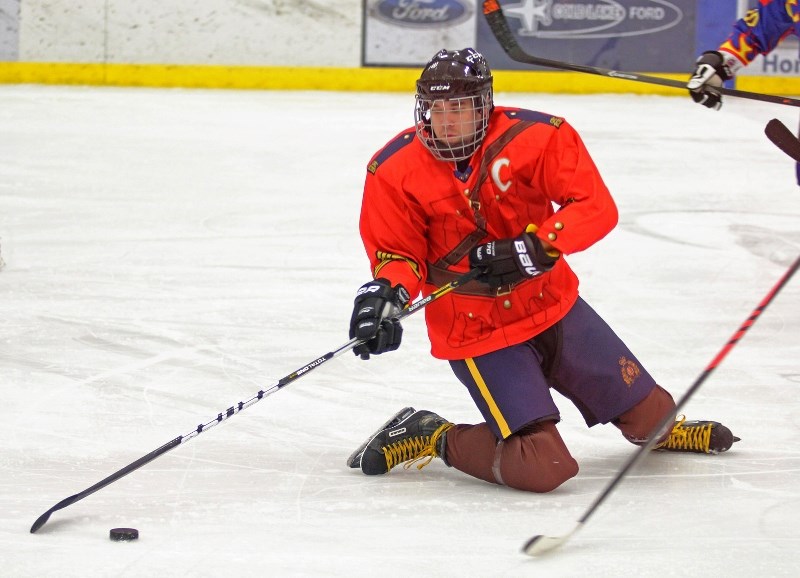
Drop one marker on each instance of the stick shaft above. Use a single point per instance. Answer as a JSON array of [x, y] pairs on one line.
[[499, 26], [530, 546], [233, 410]]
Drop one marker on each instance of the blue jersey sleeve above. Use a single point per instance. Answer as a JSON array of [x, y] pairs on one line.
[[762, 29]]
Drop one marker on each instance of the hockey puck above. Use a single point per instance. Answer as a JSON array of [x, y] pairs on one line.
[[123, 534]]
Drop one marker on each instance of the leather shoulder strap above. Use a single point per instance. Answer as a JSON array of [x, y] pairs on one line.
[[466, 244]]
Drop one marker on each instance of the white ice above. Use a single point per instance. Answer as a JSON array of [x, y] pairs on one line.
[[169, 253]]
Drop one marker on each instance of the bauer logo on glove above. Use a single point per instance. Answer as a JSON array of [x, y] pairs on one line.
[[508, 261], [373, 320]]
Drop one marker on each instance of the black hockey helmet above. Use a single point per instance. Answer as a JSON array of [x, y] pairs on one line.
[[454, 75]]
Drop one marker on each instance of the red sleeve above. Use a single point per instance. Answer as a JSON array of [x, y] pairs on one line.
[[570, 178], [393, 229]]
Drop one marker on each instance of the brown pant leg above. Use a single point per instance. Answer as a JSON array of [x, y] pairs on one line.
[[534, 459], [637, 423]]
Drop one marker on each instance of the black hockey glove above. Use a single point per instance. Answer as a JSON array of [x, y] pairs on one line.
[[709, 73], [507, 261], [375, 306]]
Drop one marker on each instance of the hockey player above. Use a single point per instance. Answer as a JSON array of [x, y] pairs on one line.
[[473, 185], [759, 32]]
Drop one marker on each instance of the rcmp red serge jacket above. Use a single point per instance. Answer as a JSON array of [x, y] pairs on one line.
[[416, 210]]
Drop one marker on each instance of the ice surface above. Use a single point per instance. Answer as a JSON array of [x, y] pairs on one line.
[[172, 252]]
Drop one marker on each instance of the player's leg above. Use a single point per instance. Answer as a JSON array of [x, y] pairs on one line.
[[607, 383], [518, 445], [600, 375]]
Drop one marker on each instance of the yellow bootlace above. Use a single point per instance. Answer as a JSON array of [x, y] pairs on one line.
[[414, 449], [693, 438]]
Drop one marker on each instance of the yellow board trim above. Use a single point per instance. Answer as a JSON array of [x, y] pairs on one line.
[[780, 85], [235, 77], [368, 79], [487, 397]]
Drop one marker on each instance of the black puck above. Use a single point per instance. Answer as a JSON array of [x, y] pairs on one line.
[[123, 534]]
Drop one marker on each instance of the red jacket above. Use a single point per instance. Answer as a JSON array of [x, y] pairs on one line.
[[416, 210]]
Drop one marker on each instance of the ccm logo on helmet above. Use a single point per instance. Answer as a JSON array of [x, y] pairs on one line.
[[525, 259]]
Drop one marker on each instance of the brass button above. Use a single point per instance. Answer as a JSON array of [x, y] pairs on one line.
[[458, 212], [541, 295], [552, 236], [497, 197], [507, 304], [559, 225], [469, 315], [466, 192]]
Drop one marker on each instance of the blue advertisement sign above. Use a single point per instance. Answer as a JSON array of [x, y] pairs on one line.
[[635, 35], [422, 13]]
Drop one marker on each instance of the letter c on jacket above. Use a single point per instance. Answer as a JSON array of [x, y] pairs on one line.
[[496, 167]]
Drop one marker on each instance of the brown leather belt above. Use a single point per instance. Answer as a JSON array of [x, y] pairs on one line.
[[439, 277]]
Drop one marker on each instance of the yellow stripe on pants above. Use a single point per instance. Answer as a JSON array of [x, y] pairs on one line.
[[487, 396]]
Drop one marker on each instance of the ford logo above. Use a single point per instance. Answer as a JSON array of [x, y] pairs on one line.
[[422, 13]]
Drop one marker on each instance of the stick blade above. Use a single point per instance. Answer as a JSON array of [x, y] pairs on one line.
[[783, 138], [540, 544], [41, 521]]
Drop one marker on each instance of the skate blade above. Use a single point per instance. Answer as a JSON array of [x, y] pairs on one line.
[[354, 461]]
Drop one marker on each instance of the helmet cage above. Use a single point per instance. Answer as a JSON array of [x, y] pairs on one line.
[[463, 79], [472, 132]]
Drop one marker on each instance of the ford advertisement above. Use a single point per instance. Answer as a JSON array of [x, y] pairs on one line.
[[636, 35]]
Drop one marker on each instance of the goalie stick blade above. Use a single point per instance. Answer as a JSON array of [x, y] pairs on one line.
[[783, 138], [539, 545], [354, 461]]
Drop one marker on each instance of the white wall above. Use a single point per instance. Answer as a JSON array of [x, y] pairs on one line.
[[203, 32], [9, 24]]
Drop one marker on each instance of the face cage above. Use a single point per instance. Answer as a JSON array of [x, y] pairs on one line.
[[471, 138]]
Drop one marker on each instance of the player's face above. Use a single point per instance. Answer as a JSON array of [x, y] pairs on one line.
[[454, 121]]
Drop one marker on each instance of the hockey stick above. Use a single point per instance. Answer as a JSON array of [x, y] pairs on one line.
[[783, 138], [540, 544], [499, 26], [231, 411]]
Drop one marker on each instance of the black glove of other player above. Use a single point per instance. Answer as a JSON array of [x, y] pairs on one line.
[[709, 73], [510, 260], [375, 305]]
